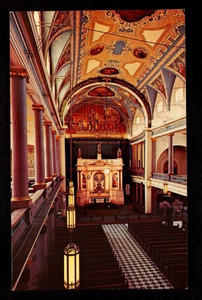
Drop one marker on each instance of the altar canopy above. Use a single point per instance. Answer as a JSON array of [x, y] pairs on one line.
[[99, 180]]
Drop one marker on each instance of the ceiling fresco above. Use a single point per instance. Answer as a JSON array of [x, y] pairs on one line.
[[97, 56]]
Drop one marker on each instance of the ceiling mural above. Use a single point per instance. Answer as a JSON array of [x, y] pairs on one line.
[[96, 121], [116, 54]]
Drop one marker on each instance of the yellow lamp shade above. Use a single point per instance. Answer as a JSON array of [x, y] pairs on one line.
[[70, 200], [71, 217], [71, 267], [165, 188]]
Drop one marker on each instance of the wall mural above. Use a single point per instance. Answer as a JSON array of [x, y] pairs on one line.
[[96, 119]]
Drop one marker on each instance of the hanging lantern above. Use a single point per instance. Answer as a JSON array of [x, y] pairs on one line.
[[165, 188], [71, 217], [71, 194], [71, 267]]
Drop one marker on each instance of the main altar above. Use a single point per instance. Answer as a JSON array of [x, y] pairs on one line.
[[99, 180]]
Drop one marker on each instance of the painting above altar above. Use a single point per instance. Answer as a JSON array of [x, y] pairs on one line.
[[96, 120], [99, 180]]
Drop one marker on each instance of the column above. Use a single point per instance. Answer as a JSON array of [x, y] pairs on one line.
[[54, 157], [136, 156], [120, 180], [170, 153], [20, 193], [41, 252], [48, 151], [148, 169], [63, 161], [58, 154], [141, 156], [153, 155], [136, 193], [39, 147], [78, 181], [141, 193]]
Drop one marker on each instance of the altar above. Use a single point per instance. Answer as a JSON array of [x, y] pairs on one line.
[[99, 180]]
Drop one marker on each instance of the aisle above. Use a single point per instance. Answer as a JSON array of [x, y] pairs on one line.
[[138, 268]]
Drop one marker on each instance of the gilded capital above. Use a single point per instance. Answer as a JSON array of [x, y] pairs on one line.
[[47, 123], [19, 72], [37, 107]]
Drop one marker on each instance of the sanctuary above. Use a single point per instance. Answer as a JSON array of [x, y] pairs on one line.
[[99, 180]]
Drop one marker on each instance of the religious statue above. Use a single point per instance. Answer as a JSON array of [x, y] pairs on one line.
[[99, 148], [79, 153], [119, 153]]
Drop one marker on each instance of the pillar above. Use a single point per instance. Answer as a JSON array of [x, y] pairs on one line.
[[39, 147], [20, 192], [153, 155], [58, 154], [48, 151], [141, 193], [41, 252], [148, 169], [63, 161], [54, 156], [170, 153], [136, 156], [136, 192]]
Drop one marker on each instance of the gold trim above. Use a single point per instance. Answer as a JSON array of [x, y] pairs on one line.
[[37, 107], [20, 72], [53, 131], [21, 198], [47, 123], [39, 183]]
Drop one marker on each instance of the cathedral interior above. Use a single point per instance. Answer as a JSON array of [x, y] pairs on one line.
[[98, 163]]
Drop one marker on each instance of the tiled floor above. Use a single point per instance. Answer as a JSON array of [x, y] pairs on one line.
[[138, 268]]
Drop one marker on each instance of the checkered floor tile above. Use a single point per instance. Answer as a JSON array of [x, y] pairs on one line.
[[138, 268]]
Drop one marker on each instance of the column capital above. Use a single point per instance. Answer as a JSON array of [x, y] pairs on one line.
[[57, 138], [53, 131], [171, 134], [37, 107], [47, 123], [19, 72], [153, 139]]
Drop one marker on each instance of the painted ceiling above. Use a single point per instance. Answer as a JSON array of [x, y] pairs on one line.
[[112, 58]]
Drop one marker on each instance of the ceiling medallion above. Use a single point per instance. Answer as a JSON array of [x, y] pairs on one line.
[[109, 71], [140, 52], [97, 49]]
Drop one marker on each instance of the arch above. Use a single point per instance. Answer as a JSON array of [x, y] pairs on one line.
[[180, 161], [125, 85]]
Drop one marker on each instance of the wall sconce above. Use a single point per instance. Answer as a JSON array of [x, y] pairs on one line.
[[71, 217], [148, 183], [71, 267], [165, 188]]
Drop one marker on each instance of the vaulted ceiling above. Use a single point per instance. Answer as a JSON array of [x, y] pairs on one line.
[[114, 62], [107, 57]]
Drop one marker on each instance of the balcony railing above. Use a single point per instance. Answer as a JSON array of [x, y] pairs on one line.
[[182, 179]]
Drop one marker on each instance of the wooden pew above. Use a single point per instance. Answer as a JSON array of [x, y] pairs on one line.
[[166, 252], [166, 245]]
